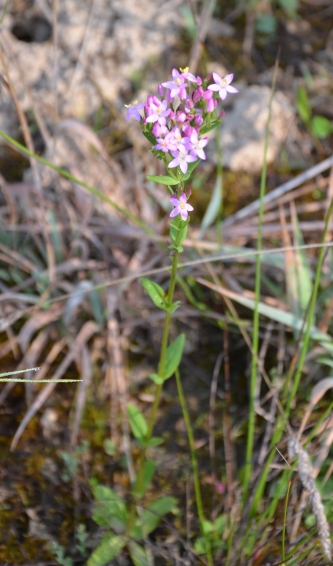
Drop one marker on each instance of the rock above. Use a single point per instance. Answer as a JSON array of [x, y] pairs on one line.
[[243, 128], [99, 48]]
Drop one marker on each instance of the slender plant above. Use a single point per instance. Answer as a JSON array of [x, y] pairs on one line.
[[175, 122]]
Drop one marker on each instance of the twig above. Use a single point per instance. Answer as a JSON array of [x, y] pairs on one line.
[[279, 191]]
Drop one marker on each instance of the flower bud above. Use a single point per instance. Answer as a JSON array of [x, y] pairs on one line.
[[157, 130], [210, 105], [207, 94]]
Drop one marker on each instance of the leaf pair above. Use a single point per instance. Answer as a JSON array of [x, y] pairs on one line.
[[173, 358], [139, 427], [158, 296], [111, 512]]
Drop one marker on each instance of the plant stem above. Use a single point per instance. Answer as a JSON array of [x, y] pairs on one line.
[[194, 467], [281, 422], [255, 339], [164, 345], [161, 366], [285, 525]]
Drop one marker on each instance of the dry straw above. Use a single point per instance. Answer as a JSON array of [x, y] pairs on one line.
[[306, 475]]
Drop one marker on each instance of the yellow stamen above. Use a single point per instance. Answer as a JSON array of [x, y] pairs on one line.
[[129, 105]]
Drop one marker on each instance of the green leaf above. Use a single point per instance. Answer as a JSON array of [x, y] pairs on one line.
[[200, 546], [266, 24], [173, 356], [286, 318], [178, 231], [190, 168], [110, 447], [155, 441], [150, 137], [148, 473], [109, 547], [96, 306], [213, 207], [137, 421], [299, 275], [303, 105], [211, 126], [110, 510], [174, 307], [155, 292], [290, 7], [156, 378], [152, 515], [138, 554], [163, 179], [321, 127]]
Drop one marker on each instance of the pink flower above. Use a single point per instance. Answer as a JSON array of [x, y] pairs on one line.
[[223, 85], [181, 206], [166, 144], [133, 111], [177, 87], [158, 112], [159, 130], [197, 95], [198, 145], [177, 139], [182, 158], [211, 105]]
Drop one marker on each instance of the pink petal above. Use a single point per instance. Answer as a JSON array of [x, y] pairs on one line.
[[175, 212], [217, 78], [173, 163], [183, 166], [231, 89]]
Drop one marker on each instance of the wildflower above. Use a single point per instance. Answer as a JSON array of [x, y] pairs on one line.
[[177, 87], [197, 95], [223, 85], [177, 138], [158, 112], [211, 104], [181, 206], [159, 130], [198, 145], [166, 144], [181, 159], [133, 110], [188, 76], [188, 131], [198, 121]]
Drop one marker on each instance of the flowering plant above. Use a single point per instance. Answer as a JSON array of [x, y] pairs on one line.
[[175, 123]]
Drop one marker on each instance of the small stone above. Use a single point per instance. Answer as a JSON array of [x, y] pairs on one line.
[[244, 125]]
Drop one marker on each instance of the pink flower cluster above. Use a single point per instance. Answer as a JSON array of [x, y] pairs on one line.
[[176, 121]]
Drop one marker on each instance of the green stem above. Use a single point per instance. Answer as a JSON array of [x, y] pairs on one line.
[[255, 339], [164, 345], [280, 426], [285, 525], [194, 467], [158, 392]]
